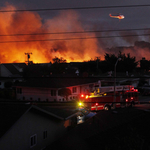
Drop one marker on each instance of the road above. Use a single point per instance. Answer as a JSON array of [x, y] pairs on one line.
[[144, 103]]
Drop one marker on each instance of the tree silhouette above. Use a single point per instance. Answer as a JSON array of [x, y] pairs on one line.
[[58, 66], [59, 60], [127, 63], [145, 65]]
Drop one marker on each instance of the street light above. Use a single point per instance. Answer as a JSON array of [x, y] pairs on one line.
[[115, 82]]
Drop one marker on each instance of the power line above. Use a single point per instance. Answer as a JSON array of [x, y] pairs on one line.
[[76, 32], [80, 38], [76, 8]]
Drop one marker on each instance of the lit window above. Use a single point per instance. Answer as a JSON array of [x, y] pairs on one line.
[[33, 140]]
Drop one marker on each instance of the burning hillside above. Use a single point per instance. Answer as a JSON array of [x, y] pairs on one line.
[[26, 32], [43, 50]]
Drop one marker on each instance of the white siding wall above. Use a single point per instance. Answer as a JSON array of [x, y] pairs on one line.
[[18, 137], [42, 94]]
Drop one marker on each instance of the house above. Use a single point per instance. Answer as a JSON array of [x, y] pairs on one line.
[[147, 79], [11, 69], [46, 89], [26, 127], [123, 128], [10, 72], [130, 81]]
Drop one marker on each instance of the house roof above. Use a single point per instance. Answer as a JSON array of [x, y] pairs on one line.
[[13, 68], [50, 82], [11, 113], [106, 128], [61, 112]]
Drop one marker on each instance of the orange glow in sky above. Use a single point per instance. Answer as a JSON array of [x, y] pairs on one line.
[[44, 51]]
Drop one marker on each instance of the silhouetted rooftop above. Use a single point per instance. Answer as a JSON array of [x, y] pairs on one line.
[[125, 128], [58, 82]]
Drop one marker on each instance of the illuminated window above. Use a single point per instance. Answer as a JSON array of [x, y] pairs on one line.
[[44, 134], [33, 140]]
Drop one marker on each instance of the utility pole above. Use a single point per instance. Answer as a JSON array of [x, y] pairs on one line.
[[28, 57], [115, 82]]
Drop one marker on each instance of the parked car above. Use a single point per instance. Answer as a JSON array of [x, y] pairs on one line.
[[84, 114]]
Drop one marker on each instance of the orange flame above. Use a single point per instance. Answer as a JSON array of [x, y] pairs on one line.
[[44, 51]]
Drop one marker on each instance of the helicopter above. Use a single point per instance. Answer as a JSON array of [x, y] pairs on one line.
[[119, 16]]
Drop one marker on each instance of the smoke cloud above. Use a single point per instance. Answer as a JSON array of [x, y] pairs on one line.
[[43, 51], [72, 46]]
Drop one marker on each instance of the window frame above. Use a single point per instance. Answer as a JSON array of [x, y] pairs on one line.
[[44, 134], [74, 90], [33, 140]]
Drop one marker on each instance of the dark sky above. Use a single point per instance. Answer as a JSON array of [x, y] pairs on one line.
[[98, 19], [135, 17]]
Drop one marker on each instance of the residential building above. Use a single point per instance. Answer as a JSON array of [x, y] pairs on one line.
[[11, 69], [46, 89], [10, 72], [25, 127]]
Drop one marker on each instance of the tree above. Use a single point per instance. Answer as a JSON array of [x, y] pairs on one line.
[[145, 65], [110, 60], [127, 63], [59, 60], [58, 66], [65, 92]]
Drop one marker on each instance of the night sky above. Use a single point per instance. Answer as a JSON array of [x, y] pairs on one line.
[[135, 17]]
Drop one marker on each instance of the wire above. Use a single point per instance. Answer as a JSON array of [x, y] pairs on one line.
[[76, 32], [75, 8], [81, 38]]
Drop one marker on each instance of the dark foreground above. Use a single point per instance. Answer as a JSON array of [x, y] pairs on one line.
[[122, 129]]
